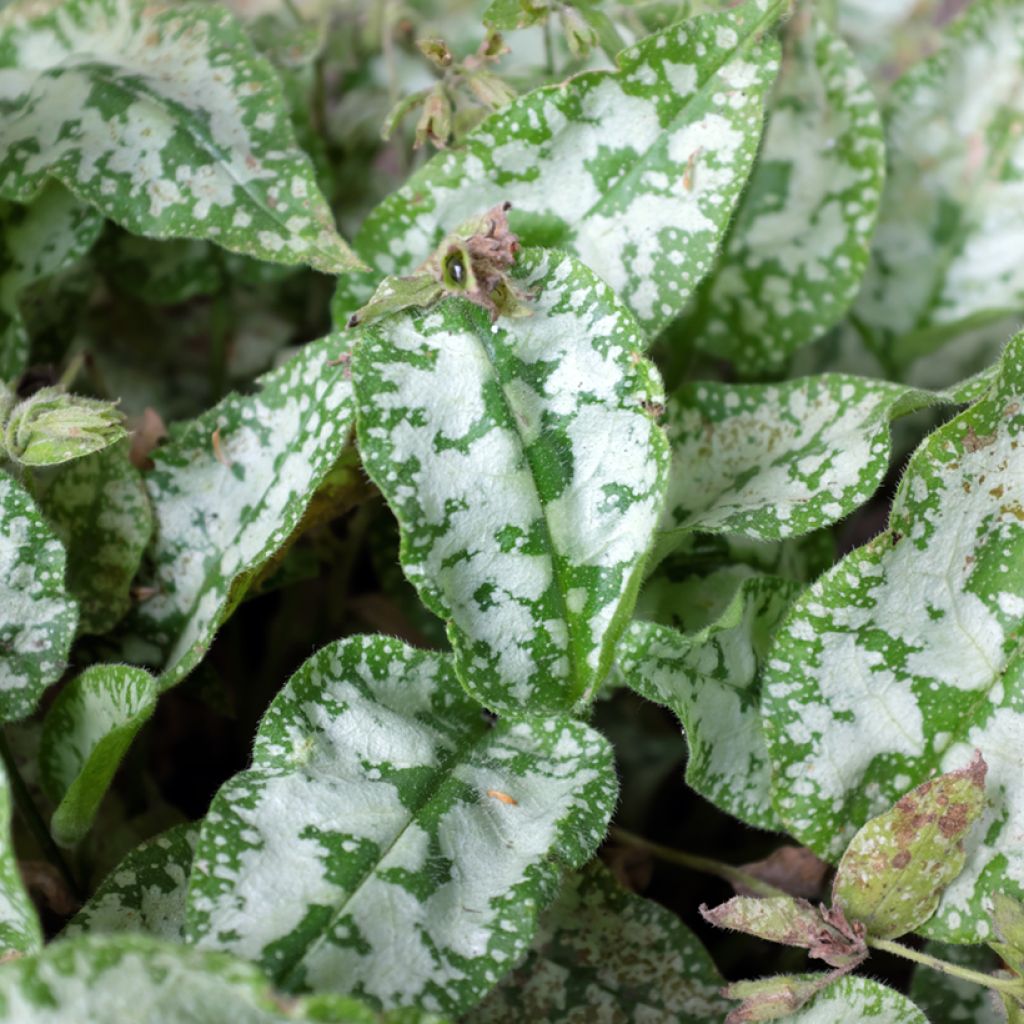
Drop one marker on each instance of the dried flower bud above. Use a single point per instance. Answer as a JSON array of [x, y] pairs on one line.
[[435, 121], [436, 51]]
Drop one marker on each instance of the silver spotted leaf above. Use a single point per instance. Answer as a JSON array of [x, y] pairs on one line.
[[36, 240], [711, 679], [103, 979], [525, 467], [603, 953], [228, 489], [86, 732], [948, 1000], [948, 252], [163, 118], [636, 171], [856, 1000], [798, 246], [389, 841], [145, 892], [20, 931], [37, 615], [99, 508], [769, 461], [905, 658]]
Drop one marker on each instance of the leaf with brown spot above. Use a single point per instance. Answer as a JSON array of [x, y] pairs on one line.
[[772, 998], [897, 866]]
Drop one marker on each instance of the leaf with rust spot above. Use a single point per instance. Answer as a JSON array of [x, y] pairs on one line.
[[897, 866]]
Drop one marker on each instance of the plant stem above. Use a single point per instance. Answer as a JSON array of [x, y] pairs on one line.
[[549, 47], [1011, 986], [735, 876], [33, 819]]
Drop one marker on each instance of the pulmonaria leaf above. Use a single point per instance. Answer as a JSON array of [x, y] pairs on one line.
[[36, 240], [636, 171], [385, 821], [711, 679], [145, 893], [605, 953], [51, 427], [774, 998], [526, 471], [949, 1000], [897, 865], [20, 931], [86, 732], [99, 508], [798, 246], [1008, 918], [37, 615], [947, 251], [770, 461], [905, 658], [166, 120], [228, 490]]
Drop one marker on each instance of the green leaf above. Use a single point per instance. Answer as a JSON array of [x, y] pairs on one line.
[[851, 1000], [775, 997], [905, 658], [389, 841], [525, 469], [101, 979], [228, 490], [99, 509], [37, 616], [948, 1000], [20, 931], [798, 245], [711, 679], [778, 460], [86, 732], [898, 865], [51, 427], [164, 119], [146, 892], [948, 251], [636, 171], [38, 240], [603, 953]]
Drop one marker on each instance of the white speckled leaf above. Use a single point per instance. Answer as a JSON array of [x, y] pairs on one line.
[[163, 118], [636, 171], [228, 489], [711, 679], [905, 658], [37, 616], [19, 926], [116, 979], [856, 1000], [949, 249], [526, 471], [145, 892], [390, 841], [36, 240], [603, 953], [949, 1000], [86, 732], [779, 460], [798, 246], [98, 507]]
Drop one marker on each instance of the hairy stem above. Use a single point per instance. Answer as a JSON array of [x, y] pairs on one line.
[[1011, 986]]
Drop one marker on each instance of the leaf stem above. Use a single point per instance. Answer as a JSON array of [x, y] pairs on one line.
[[1011, 986], [549, 47], [34, 820], [733, 875]]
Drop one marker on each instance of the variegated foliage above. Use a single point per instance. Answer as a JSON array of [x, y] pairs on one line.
[[37, 615], [526, 470], [603, 953], [636, 171], [856, 1000], [163, 118], [20, 931], [389, 841], [948, 1000], [798, 246], [905, 657]]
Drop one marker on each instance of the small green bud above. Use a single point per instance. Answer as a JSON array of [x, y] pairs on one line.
[[436, 51], [435, 121], [579, 34], [491, 90]]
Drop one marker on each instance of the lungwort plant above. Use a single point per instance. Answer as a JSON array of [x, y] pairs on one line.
[[511, 512]]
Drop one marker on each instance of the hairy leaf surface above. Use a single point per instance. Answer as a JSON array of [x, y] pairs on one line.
[[164, 119], [37, 615], [856, 1000], [636, 171], [389, 841], [603, 953], [905, 658], [526, 471]]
